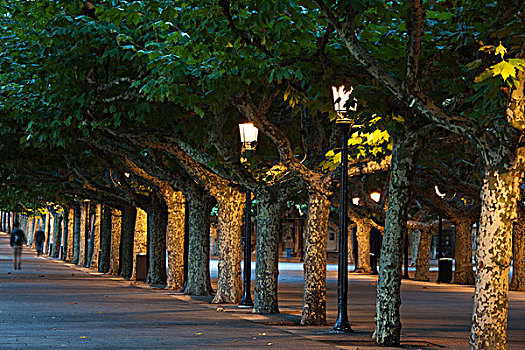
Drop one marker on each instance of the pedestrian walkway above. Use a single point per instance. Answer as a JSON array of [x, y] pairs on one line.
[[50, 304]]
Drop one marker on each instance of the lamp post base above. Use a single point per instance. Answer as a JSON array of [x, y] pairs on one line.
[[341, 327], [246, 303]]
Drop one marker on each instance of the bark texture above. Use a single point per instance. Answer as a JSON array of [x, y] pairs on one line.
[[57, 235], [199, 246], [96, 236], [139, 246], [105, 240], [267, 254], [230, 204], [84, 215], [116, 230], [388, 321], [314, 296], [157, 226], [129, 215], [363, 246], [175, 245], [416, 238], [493, 257], [76, 234], [518, 251], [463, 272], [423, 255], [70, 234]]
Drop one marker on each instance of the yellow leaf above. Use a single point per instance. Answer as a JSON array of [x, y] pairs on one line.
[[505, 69], [83, 337], [500, 50], [198, 333]]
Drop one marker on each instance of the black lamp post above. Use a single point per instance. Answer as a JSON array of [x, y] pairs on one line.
[[342, 325], [249, 142]]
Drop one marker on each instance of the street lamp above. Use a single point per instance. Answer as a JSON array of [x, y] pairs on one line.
[[249, 135], [376, 196], [341, 98]]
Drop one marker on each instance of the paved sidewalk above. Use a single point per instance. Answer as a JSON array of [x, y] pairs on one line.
[[50, 304]]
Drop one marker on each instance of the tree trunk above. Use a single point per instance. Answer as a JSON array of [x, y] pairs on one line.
[[76, 233], [314, 295], [363, 246], [70, 234], [157, 226], [423, 255], [96, 236], [229, 284], [57, 237], [493, 256], [518, 251], [175, 246], [49, 233], [388, 322], [139, 246], [116, 231], [129, 216], [267, 253], [105, 240], [84, 215], [416, 238], [464, 272], [199, 245]]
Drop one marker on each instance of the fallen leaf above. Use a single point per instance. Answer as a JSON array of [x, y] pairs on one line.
[[220, 309], [83, 337], [234, 340], [270, 344], [100, 312], [54, 329], [72, 302], [254, 338], [198, 333]]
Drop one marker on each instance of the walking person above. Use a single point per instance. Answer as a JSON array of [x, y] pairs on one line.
[[18, 238], [40, 237]]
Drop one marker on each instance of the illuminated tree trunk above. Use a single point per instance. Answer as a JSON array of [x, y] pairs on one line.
[[76, 234], [96, 236], [105, 240], [314, 295], [199, 245], [70, 234], [423, 255], [48, 234], [84, 215], [493, 257], [388, 322], [464, 272], [129, 215], [116, 230], [140, 244], [175, 245], [363, 246], [267, 253], [518, 251], [230, 204]]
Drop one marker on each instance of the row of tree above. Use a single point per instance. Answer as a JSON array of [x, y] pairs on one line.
[[136, 104]]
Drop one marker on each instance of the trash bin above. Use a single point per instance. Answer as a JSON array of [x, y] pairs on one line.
[[445, 270], [141, 267]]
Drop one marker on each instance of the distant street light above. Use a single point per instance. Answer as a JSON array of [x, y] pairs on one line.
[[376, 196], [249, 135], [341, 98]]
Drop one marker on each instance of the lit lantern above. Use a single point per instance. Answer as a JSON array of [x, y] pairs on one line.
[[341, 98], [376, 196], [249, 135]]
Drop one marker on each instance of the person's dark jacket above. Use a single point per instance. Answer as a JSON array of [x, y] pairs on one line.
[[17, 232], [40, 236]]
